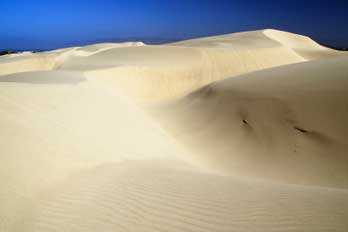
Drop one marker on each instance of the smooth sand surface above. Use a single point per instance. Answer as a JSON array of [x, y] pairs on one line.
[[269, 123], [239, 132]]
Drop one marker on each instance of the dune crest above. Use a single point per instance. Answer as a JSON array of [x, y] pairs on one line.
[[302, 45]]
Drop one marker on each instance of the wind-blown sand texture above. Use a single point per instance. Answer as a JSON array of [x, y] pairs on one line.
[[239, 132]]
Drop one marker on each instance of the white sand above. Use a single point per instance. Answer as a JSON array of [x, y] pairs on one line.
[[201, 135], [287, 124]]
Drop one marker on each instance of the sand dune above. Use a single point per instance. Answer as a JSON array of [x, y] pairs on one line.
[[144, 70], [239, 132], [163, 196], [25, 63], [150, 74], [290, 116]]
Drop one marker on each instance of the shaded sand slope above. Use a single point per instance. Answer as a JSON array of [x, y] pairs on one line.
[[287, 124]]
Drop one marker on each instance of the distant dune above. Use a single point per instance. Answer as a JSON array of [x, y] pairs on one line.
[[238, 132]]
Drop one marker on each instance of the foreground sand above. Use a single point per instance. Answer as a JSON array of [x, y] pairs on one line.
[[240, 132]]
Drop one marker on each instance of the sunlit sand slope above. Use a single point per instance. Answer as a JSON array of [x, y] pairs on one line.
[[56, 123], [164, 196], [43, 61], [25, 63]]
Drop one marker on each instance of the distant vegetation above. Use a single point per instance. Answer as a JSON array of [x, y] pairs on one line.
[[6, 52]]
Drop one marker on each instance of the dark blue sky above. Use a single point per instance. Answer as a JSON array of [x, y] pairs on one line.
[[39, 24]]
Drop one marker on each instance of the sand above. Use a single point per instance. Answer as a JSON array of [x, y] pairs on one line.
[[239, 132]]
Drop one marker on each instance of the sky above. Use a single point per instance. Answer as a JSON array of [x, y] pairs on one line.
[[49, 24]]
